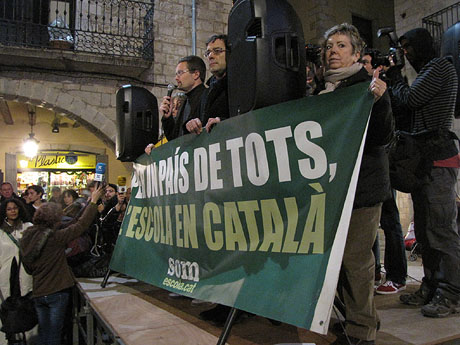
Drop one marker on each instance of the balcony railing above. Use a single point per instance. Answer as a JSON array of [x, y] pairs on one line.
[[109, 27], [439, 22]]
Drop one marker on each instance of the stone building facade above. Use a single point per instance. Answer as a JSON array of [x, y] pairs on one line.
[[87, 94], [71, 88], [82, 86], [319, 15], [409, 14]]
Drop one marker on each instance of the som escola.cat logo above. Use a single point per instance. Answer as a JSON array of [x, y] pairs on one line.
[[185, 270]]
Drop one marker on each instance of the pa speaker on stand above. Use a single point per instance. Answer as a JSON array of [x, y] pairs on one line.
[[137, 122], [266, 64]]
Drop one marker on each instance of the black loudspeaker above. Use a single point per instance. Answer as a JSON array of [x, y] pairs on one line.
[[266, 64], [137, 122], [450, 48]]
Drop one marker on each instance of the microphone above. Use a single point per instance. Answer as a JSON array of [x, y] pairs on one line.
[[100, 173], [171, 88], [121, 184]]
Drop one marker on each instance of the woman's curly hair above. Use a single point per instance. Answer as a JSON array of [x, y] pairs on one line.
[[23, 214], [48, 215]]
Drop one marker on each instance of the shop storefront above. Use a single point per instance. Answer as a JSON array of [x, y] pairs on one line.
[[63, 169]]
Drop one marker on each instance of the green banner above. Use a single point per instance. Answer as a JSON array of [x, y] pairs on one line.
[[254, 214]]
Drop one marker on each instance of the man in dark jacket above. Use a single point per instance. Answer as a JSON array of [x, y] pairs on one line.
[[190, 76], [214, 107], [6, 191], [110, 211], [432, 97], [35, 199]]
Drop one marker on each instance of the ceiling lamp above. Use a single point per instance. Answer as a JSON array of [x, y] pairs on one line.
[[55, 124], [30, 146]]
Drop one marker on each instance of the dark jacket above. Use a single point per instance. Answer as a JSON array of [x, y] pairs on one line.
[[215, 100], [374, 180], [110, 224], [43, 254], [13, 196], [175, 127]]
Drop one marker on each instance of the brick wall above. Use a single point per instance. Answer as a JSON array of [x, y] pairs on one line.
[[173, 32]]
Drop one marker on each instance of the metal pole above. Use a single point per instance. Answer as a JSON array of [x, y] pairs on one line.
[[106, 278], [193, 27], [228, 326]]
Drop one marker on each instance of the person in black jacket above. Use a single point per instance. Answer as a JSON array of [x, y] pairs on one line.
[[6, 191], [190, 76], [342, 49], [432, 99], [111, 213], [34, 198], [214, 107]]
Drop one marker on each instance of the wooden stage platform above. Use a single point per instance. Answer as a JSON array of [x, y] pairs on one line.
[[130, 312]]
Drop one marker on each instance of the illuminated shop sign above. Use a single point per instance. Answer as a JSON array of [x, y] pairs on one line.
[[58, 160]]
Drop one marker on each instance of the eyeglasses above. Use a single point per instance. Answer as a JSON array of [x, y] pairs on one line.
[[180, 72], [215, 51]]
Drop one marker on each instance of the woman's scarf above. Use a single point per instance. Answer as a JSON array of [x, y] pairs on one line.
[[333, 77]]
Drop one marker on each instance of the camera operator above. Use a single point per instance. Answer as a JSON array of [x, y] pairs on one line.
[[111, 215], [432, 98], [367, 61]]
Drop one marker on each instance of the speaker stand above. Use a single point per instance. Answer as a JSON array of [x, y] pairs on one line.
[[228, 326], [106, 278]]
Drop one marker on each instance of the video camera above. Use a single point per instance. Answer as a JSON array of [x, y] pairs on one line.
[[313, 54], [395, 52]]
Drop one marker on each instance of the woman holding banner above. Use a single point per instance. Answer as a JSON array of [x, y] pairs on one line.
[[341, 54]]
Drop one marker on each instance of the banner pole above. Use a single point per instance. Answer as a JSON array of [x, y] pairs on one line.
[[106, 278], [228, 326]]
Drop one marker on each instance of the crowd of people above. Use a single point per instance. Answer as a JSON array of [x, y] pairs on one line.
[[71, 234], [428, 103]]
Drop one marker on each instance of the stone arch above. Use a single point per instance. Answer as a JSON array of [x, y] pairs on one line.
[[50, 96]]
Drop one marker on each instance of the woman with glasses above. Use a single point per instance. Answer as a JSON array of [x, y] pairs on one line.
[[13, 217]]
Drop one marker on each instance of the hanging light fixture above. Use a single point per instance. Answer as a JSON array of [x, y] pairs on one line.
[[55, 124], [30, 146]]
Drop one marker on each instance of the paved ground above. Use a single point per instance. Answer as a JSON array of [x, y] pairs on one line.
[[401, 324]]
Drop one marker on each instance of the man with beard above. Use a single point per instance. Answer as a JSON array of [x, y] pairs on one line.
[[432, 98], [110, 211]]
